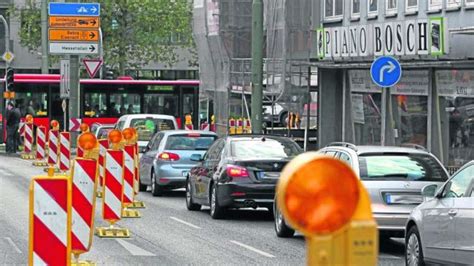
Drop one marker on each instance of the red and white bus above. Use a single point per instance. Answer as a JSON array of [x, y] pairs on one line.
[[104, 101]]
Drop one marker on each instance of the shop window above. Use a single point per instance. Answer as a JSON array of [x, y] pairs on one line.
[[410, 114], [469, 3], [95, 102], [391, 7], [457, 114], [435, 5], [166, 104], [411, 6], [355, 9], [123, 103], [453, 4], [333, 9], [367, 118], [373, 8]]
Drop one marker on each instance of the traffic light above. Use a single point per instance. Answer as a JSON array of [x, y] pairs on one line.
[[9, 79], [323, 198]]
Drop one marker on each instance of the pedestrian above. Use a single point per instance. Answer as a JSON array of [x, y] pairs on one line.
[[30, 110], [13, 122]]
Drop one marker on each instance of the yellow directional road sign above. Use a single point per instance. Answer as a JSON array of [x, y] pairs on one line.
[[74, 22], [73, 35]]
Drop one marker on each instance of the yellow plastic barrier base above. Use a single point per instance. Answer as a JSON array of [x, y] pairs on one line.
[[127, 213], [112, 232], [26, 156], [99, 194], [37, 163], [137, 205], [56, 170], [83, 263]]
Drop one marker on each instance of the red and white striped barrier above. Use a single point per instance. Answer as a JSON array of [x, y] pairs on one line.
[[40, 143], [128, 175], [136, 184], [103, 147], [205, 126], [84, 173], [50, 221], [113, 188], [64, 151], [79, 152], [53, 147], [28, 138]]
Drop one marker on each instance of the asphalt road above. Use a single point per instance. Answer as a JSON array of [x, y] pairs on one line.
[[167, 234]]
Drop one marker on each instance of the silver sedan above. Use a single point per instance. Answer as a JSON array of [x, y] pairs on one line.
[[441, 229]]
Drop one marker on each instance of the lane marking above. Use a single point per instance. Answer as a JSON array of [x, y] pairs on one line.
[[133, 249], [263, 253], [15, 247], [184, 222]]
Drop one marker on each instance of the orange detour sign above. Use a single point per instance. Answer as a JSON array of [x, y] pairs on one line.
[[323, 198], [50, 220], [113, 189], [84, 173], [40, 147], [73, 35], [74, 22], [64, 151]]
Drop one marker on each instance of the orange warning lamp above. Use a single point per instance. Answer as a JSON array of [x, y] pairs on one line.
[[323, 198], [128, 134], [115, 136], [29, 119], [55, 124], [84, 127], [87, 141]]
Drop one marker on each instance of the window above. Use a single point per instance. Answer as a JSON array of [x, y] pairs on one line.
[[124, 103], [156, 142], [333, 9], [414, 167], [372, 8], [331, 153], [355, 9], [35, 104], [166, 104], [411, 6], [264, 148], [469, 3], [186, 142], [435, 5], [95, 102], [453, 4], [391, 7], [459, 184], [345, 158], [215, 150], [147, 127]]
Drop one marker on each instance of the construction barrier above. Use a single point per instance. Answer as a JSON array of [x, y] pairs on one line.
[[50, 220], [103, 146], [232, 129], [28, 138], [133, 140], [128, 184], [64, 151], [113, 188], [188, 122], [80, 152], [84, 173], [40, 147], [205, 126], [240, 126], [53, 147]]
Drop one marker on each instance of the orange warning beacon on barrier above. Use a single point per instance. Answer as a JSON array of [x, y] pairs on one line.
[[323, 198], [54, 125]]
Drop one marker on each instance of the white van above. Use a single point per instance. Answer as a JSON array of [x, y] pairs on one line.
[[147, 125]]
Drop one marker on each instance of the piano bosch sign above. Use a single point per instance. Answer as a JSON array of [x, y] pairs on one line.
[[399, 38]]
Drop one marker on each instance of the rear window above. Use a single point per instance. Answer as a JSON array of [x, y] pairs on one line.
[[264, 148], [148, 127], [415, 167], [103, 132], [190, 142]]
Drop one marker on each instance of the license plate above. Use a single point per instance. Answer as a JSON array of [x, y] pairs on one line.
[[185, 173], [269, 175]]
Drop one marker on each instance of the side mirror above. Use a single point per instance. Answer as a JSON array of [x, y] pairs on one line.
[[196, 158], [429, 191]]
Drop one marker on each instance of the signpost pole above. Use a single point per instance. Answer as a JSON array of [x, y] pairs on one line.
[[44, 37], [7, 65], [74, 97]]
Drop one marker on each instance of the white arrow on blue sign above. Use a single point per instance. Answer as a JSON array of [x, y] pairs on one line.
[[74, 9], [386, 71]]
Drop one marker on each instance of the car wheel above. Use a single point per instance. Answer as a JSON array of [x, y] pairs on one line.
[[281, 228], [414, 252], [217, 212], [189, 198], [156, 190]]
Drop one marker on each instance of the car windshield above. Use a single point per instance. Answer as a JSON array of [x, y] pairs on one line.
[[415, 167], [103, 132], [193, 142], [147, 127], [264, 148]]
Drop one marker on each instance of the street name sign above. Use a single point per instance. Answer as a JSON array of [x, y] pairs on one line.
[[73, 48], [386, 71], [74, 22], [73, 35], [65, 82], [92, 66], [74, 9]]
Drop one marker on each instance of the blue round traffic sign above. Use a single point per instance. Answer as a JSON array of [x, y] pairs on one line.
[[385, 71]]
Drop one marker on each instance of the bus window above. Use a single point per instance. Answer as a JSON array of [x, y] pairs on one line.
[[124, 103], [35, 104], [166, 104], [95, 102], [188, 104]]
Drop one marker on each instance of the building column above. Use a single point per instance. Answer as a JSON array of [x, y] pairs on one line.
[[330, 106], [435, 136], [348, 131]]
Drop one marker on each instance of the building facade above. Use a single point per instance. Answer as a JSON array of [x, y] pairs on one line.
[[432, 106]]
